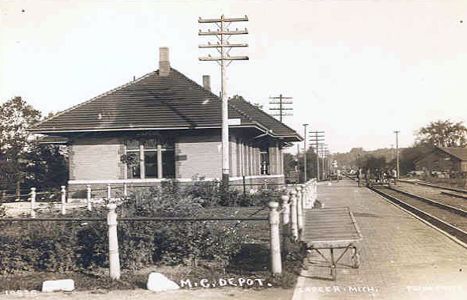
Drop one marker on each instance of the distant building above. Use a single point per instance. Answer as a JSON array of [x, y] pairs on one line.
[[443, 159], [165, 126]]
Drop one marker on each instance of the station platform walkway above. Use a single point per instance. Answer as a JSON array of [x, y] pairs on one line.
[[401, 257]]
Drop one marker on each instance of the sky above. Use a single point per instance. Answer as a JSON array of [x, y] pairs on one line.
[[357, 70]]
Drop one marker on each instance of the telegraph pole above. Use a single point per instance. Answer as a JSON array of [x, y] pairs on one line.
[[281, 106], [316, 137], [397, 153], [223, 34], [304, 156], [323, 158]]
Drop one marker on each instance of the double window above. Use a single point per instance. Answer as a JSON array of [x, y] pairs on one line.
[[150, 158]]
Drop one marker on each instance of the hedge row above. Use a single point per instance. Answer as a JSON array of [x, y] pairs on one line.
[[53, 246]]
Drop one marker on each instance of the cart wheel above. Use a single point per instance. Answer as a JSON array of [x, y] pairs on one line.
[[333, 272], [356, 260]]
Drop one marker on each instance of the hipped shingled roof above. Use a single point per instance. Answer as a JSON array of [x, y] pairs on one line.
[[155, 102]]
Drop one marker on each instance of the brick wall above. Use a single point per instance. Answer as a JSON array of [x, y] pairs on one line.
[[198, 156], [96, 158]]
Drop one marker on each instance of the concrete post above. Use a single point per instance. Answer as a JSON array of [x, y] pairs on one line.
[[125, 190], [276, 263], [63, 191], [304, 196], [88, 197], [114, 260], [109, 192], [299, 209], [316, 190], [293, 214], [33, 202], [285, 209]]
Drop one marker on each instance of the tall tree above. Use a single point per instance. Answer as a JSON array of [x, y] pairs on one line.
[[22, 159], [16, 116], [443, 134]]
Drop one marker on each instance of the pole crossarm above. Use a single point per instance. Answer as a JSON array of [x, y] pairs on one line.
[[210, 58], [283, 102], [284, 115], [223, 19], [225, 32], [208, 45]]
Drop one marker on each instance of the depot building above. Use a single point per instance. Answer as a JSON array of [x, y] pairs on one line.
[[162, 126]]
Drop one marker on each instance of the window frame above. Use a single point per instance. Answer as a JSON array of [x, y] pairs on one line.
[[158, 145]]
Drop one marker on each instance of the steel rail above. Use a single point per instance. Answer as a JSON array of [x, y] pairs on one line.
[[450, 208], [436, 222], [459, 190]]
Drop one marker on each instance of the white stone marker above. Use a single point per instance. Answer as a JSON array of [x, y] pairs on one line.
[[159, 283], [63, 285]]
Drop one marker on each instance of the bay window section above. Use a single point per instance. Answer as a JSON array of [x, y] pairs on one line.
[[155, 159]]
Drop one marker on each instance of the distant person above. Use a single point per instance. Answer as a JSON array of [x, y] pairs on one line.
[[394, 176], [359, 175]]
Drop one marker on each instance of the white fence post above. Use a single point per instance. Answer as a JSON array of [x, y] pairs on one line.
[[293, 214], [88, 197], [33, 202], [63, 199], [276, 263], [285, 209], [109, 192], [114, 260], [125, 190], [299, 209]]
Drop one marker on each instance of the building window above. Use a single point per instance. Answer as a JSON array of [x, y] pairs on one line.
[[133, 154], [148, 165], [264, 154], [168, 163]]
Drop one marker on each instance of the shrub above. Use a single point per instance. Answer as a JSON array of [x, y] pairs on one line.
[[70, 246]]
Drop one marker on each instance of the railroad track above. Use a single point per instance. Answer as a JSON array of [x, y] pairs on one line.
[[459, 190], [449, 219]]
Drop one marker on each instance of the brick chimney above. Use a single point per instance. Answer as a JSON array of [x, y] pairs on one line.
[[164, 64], [207, 82]]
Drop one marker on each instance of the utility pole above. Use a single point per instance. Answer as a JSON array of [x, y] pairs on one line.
[[323, 158], [281, 106], [223, 34], [397, 153], [304, 155], [316, 137], [298, 158]]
